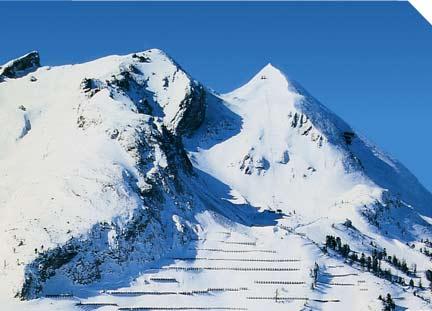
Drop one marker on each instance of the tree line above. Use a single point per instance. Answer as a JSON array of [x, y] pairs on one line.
[[371, 263]]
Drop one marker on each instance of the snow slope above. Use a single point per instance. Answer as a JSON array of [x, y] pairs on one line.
[[289, 152], [124, 169]]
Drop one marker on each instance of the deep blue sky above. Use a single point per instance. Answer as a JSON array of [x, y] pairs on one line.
[[371, 63]]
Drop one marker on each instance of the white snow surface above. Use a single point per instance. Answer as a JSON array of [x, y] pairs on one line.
[[273, 174]]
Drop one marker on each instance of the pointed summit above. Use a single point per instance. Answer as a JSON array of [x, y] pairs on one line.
[[268, 78], [269, 69], [270, 73]]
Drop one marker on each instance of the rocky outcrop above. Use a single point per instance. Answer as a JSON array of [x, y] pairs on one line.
[[149, 235], [252, 164], [90, 86], [304, 126], [21, 66], [284, 157], [45, 267], [348, 137], [192, 110], [173, 95]]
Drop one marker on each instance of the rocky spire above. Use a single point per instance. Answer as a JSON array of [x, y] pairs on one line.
[[20, 66]]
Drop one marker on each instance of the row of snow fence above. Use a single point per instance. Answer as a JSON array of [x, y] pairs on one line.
[[340, 275], [243, 269], [227, 289], [276, 298], [239, 243], [291, 298], [139, 293], [205, 291], [237, 259], [237, 251], [58, 296], [280, 282], [160, 279], [94, 305]]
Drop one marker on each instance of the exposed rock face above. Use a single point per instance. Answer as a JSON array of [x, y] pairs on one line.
[[192, 110], [284, 158], [174, 96], [252, 164], [90, 86], [304, 126], [21, 66], [348, 136]]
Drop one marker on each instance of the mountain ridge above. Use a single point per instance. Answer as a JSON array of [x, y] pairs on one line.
[[137, 160]]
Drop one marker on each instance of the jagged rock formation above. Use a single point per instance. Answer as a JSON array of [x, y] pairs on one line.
[[20, 66]]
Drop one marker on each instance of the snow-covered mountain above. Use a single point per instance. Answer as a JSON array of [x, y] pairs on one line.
[[121, 175]]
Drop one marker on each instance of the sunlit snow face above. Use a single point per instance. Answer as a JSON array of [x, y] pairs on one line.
[[98, 148]]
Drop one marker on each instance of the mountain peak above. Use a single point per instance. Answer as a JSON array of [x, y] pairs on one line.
[[269, 69], [162, 166], [269, 78], [271, 73]]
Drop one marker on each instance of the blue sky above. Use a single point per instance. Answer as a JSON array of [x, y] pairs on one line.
[[369, 62]]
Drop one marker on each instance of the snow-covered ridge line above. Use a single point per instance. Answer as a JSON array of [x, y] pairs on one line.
[[111, 168], [120, 199]]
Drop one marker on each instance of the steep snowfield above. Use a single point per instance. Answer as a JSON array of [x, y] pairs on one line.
[[278, 154], [286, 151], [100, 199]]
